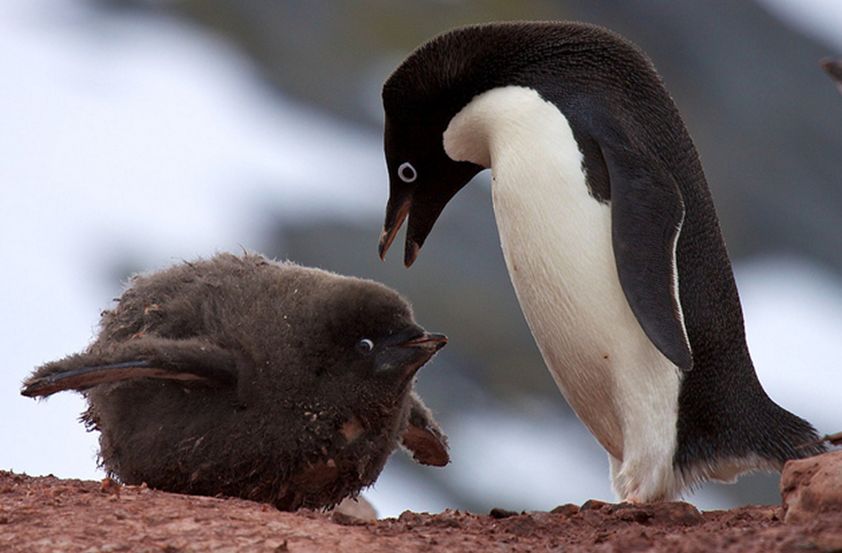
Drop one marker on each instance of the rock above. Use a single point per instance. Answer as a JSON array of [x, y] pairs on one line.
[[668, 513], [357, 508], [568, 510], [45, 514], [675, 512], [593, 505], [499, 513], [812, 486]]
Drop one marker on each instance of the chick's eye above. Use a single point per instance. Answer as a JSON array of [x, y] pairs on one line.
[[365, 345], [407, 172]]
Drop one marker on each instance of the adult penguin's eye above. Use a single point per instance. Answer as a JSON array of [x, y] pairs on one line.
[[407, 172], [365, 345]]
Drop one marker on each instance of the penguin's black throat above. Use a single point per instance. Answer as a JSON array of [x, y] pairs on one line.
[[421, 201]]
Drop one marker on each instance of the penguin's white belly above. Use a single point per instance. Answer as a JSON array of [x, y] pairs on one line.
[[557, 246], [560, 259], [556, 239]]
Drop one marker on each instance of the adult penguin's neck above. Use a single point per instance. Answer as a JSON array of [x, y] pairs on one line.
[[525, 140]]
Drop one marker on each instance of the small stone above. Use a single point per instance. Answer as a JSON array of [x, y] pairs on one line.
[[812, 486], [109, 485], [356, 507], [121, 515], [498, 513], [346, 520], [621, 506], [568, 510], [593, 505], [410, 519], [676, 512], [635, 514]]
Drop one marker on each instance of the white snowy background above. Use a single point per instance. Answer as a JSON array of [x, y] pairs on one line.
[[124, 135]]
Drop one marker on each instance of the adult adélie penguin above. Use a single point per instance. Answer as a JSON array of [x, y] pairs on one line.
[[610, 238]]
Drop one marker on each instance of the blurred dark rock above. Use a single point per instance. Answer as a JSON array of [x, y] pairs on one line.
[[768, 126], [337, 54]]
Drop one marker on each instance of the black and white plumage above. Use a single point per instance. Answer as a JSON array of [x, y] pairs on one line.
[[244, 377], [610, 238]]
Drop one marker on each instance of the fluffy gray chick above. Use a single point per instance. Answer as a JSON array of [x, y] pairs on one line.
[[244, 377]]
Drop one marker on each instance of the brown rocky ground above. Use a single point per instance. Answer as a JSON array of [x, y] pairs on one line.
[[48, 514]]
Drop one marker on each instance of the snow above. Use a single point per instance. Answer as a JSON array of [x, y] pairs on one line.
[[793, 315], [144, 141], [820, 18]]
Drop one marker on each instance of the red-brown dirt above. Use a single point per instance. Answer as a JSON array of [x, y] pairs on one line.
[[48, 514]]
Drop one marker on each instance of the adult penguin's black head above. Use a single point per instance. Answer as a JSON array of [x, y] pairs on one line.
[[572, 63], [420, 98], [422, 178]]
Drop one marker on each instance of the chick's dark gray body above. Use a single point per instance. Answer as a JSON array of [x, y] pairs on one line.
[[252, 378], [610, 237]]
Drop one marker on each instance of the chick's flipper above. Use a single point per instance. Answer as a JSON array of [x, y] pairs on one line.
[[423, 438], [190, 361]]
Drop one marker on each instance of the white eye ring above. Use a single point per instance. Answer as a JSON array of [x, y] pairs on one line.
[[407, 172], [365, 345]]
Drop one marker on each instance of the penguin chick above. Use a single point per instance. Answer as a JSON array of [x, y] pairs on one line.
[[244, 377], [610, 238]]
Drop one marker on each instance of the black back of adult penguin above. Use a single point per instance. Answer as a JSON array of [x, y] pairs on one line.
[[639, 159], [244, 377]]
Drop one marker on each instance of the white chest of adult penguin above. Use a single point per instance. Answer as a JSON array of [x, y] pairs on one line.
[[610, 238]]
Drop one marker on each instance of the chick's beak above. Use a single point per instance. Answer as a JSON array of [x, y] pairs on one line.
[[429, 341], [409, 353]]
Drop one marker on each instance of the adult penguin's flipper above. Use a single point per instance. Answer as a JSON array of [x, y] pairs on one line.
[[647, 212]]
